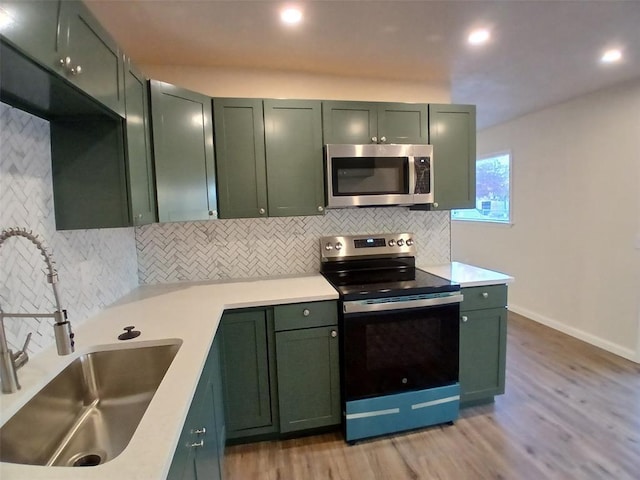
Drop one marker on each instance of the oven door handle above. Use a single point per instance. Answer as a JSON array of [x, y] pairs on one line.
[[359, 306]]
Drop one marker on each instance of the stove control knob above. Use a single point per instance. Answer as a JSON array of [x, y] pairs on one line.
[[409, 242], [338, 246], [328, 246], [400, 242], [392, 242]]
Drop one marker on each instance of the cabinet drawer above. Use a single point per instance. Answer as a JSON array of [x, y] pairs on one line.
[[490, 296], [305, 315]]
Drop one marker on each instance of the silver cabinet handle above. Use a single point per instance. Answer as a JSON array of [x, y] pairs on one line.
[[334, 334], [465, 318], [200, 431], [197, 444], [374, 139], [383, 139], [485, 295], [262, 211], [306, 312]]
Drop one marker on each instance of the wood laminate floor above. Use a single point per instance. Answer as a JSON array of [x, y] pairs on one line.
[[570, 411]]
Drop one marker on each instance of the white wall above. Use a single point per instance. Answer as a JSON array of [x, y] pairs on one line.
[[237, 82], [574, 245]]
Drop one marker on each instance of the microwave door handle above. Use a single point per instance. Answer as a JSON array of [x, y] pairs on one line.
[[412, 175]]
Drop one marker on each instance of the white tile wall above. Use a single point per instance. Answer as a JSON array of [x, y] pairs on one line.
[[96, 267], [221, 249]]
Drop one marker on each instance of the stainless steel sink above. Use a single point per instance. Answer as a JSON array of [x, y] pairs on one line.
[[88, 413]]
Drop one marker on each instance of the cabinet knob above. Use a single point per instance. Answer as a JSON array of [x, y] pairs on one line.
[[197, 444], [200, 431], [435, 204], [76, 70], [374, 139], [306, 312], [334, 334], [212, 213], [320, 208], [262, 211], [383, 139], [65, 62], [465, 318], [485, 295]]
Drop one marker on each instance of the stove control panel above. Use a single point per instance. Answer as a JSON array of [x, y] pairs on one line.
[[367, 246]]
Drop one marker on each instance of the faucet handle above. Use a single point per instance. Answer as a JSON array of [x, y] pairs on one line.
[[21, 357]]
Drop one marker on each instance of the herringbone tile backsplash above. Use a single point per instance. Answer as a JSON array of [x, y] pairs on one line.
[[222, 249], [96, 267]]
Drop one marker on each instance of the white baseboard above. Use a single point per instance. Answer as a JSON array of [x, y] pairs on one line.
[[614, 348]]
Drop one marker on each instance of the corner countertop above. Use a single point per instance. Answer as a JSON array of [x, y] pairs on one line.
[[189, 312], [467, 275]]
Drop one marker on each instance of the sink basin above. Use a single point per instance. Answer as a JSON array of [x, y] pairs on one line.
[[88, 413]]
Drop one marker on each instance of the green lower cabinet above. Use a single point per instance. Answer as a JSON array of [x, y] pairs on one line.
[[248, 367], [308, 378], [483, 343], [200, 449]]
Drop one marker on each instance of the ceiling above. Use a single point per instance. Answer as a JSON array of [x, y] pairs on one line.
[[541, 52]]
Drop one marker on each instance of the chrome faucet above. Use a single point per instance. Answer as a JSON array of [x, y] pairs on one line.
[[10, 362]]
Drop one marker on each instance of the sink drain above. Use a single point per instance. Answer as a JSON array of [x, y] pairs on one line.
[[88, 460]]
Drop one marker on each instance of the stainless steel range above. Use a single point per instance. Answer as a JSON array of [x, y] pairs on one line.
[[399, 335]]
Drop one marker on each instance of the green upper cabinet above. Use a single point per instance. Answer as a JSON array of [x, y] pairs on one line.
[[452, 132], [65, 38], [88, 57], [293, 144], [183, 153], [364, 122], [139, 156], [34, 29], [89, 173], [269, 157], [242, 174]]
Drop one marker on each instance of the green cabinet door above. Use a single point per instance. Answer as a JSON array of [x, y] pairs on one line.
[[91, 59], [33, 29], [349, 122], [198, 455], [240, 157], [248, 366], [294, 158], [308, 378], [89, 173], [183, 153], [403, 123], [483, 340], [452, 132], [374, 122], [142, 191]]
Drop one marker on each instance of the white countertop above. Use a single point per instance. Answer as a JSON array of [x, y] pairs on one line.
[[468, 275], [187, 311]]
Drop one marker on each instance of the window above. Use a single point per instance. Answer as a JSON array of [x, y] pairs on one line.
[[493, 192]]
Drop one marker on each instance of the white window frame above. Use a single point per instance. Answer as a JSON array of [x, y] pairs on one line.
[[488, 220]]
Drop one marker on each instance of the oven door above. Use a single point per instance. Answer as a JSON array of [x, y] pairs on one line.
[[389, 349]]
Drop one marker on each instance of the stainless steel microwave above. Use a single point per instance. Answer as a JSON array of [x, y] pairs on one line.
[[378, 174]]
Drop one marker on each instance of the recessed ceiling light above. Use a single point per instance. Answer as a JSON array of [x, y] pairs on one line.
[[611, 56], [5, 19], [479, 37], [291, 15]]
